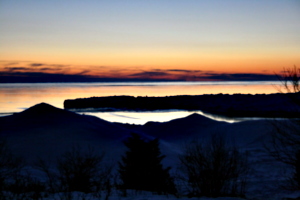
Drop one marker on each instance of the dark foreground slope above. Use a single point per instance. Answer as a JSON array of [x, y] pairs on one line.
[[195, 126], [237, 105], [44, 130]]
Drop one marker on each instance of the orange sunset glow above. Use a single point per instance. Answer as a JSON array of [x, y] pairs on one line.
[[150, 99], [169, 40]]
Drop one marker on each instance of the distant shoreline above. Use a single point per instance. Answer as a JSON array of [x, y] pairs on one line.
[[236, 105], [137, 81]]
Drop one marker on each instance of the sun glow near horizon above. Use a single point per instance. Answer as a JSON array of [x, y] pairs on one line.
[[153, 40]]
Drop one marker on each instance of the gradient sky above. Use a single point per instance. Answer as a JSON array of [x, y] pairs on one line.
[[155, 39]]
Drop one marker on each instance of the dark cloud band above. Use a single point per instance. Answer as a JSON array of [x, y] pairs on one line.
[[42, 72]]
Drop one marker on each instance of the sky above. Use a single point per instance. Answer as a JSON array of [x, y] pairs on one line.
[[147, 40]]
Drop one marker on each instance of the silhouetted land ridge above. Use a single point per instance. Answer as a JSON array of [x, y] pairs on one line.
[[236, 105]]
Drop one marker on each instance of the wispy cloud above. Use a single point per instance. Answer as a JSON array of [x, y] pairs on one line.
[[49, 69], [36, 64], [183, 70], [11, 64], [150, 74], [34, 71], [47, 65], [83, 72], [17, 68]]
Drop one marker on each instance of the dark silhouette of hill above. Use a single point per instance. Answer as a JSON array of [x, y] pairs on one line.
[[195, 126], [45, 116], [46, 130], [191, 125]]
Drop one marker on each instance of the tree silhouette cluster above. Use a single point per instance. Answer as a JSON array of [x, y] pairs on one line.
[[211, 170], [9, 164], [214, 168], [141, 167], [81, 170], [285, 139]]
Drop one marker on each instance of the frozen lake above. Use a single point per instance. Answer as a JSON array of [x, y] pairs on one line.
[[16, 97]]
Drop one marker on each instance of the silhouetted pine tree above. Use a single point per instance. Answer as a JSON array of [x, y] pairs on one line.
[[141, 167]]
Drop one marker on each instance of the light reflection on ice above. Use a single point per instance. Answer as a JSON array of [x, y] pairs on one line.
[[156, 116]]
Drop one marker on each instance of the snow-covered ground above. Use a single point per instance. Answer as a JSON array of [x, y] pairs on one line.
[[45, 131], [138, 196], [150, 196]]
